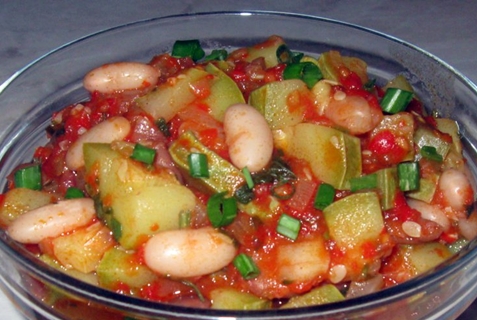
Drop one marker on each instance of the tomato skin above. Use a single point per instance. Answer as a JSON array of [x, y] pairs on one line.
[[402, 211], [122, 288], [385, 148], [369, 250], [450, 236], [165, 290], [349, 79], [170, 66]]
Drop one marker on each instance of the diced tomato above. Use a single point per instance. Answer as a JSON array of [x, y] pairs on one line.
[[369, 250], [349, 79], [42, 153], [165, 290], [386, 149], [121, 287], [450, 236], [396, 269], [274, 73], [170, 66], [402, 210]]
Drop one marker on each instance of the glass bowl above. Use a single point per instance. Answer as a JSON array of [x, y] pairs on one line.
[[50, 83]]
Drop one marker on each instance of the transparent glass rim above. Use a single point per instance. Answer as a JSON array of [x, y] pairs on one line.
[[127, 303]]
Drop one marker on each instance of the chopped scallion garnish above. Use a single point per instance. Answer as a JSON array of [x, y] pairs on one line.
[[285, 55], [116, 228], [28, 177], [74, 193], [198, 165], [246, 266], [221, 210], [288, 226], [217, 54], [324, 196], [306, 71], [369, 181], [395, 100], [430, 152], [368, 86], [143, 154], [408, 174], [188, 48], [248, 177]]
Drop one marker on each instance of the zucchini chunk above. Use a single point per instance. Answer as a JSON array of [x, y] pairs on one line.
[[134, 201]]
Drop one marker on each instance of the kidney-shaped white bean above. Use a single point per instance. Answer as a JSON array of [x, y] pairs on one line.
[[456, 189], [248, 137], [189, 252], [112, 129], [52, 220], [430, 212], [121, 76]]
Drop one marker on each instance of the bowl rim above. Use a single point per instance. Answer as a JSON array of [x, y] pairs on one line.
[[100, 295]]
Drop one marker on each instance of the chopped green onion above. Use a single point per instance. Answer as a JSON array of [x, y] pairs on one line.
[[408, 174], [188, 48], [285, 55], [116, 228], [296, 57], [161, 123], [198, 165], [217, 54], [184, 219], [395, 100], [430, 152], [369, 181], [73, 193], [244, 194], [143, 154], [324, 196], [306, 71], [28, 177], [288, 226], [221, 210], [248, 177], [98, 207], [246, 266], [368, 86]]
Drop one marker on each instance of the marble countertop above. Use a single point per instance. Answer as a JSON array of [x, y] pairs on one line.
[[31, 28]]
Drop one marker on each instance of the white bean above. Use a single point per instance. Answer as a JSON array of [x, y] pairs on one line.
[[337, 273], [456, 189], [248, 137], [112, 129], [430, 212], [52, 220], [468, 226], [353, 113], [121, 76], [189, 252]]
